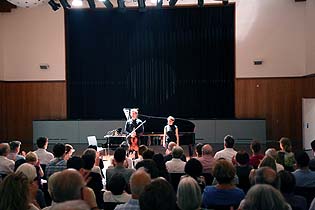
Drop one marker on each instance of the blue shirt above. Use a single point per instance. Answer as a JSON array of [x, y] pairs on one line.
[[213, 196], [304, 178], [132, 204]]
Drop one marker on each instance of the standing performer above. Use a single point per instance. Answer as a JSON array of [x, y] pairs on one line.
[[130, 127], [170, 132]]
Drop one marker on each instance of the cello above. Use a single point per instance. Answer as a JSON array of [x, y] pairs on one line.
[[134, 140]]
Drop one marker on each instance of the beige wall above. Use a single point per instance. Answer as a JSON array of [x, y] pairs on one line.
[[271, 30], [310, 37], [31, 37], [1, 50]]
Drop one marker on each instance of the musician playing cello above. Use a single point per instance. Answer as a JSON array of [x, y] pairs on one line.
[[170, 132], [130, 127]]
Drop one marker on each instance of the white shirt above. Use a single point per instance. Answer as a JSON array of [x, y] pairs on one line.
[[175, 165], [44, 157], [279, 167], [227, 154], [6, 165], [109, 197]]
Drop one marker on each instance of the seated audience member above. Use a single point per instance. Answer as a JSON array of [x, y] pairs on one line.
[[272, 152], [188, 194], [158, 195], [206, 160], [129, 155], [228, 153], [17, 192], [32, 159], [142, 148], [116, 190], [256, 157], [263, 196], [58, 163], [160, 164], [99, 159], [44, 157], [198, 150], [150, 167], [69, 185], [148, 154], [14, 151], [92, 152], [312, 206], [94, 179], [119, 158], [303, 175], [6, 165], [268, 162], [138, 181], [243, 170], [312, 161], [176, 165], [69, 151], [75, 162], [193, 168], [285, 156], [225, 193], [287, 186], [71, 205], [265, 175], [169, 155]]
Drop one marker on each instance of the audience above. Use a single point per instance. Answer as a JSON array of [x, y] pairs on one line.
[[206, 159], [263, 197], [75, 163], [142, 148], [157, 196], [193, 168], [272, 152], [58, 163], [265, 175], [14, 151], [287, 186], [169, 150], [198, 150], [160, 164], [98, 159], [256, 157], [69, 151], [228, 153], [188, 194], [268, 162], [150, 167], [148, 154], [225, 193], [285, 156], [6, 165], [303, 175], [71, 205], [176, 165], [138, 181], [44, 157], [116, 190], [243, 170], [312, 161]]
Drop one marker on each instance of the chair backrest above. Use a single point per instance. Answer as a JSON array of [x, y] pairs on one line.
[[92, 140], [307, 192]]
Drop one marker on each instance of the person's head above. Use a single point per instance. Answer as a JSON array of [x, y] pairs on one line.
[[59, 150], [75, 162], [92, 147], [177, 152], [149, 166], [142, 148], [15, 146], [287, 181], [193, 168], [117, 184], [65, 185], [206, 150], [228, 141], [42, 142], [268, 162], [170, 120], [302, 159], [242, 157], [271, 152], [266, 175], [158, 195], [224, 172], [188, 194], [148, 154], [29, 171], [263, 196], [134, 113], [69, 151], [255, 147], [138, 181], [198, 149], [159, 161], [4, 149], [313, 145], [15, 187], [31, 158], [71, 205], [88, 160], [171, 145], [120, 155], [285, 144]]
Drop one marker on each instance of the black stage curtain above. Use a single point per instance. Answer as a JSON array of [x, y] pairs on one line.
[[175, 61]]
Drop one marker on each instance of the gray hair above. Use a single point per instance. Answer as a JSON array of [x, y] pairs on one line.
[[177, 152], [138, 181], [4, 149], [262, 196], [90, 151], [188, 194], [271, 152], [71, 205], [206, 149]]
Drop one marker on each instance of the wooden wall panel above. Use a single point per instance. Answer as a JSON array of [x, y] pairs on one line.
[[27, 101], [2, 112]]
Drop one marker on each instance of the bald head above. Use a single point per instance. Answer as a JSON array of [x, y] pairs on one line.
[[4, 149], [138, 181], [171, 145], [206, 149], [266, 175]]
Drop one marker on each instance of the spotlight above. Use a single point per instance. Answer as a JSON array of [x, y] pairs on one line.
[[200, 3], [55, 6], [225, 2], [121, 4], [65, 4], [172, 3], [108, 4], [91, 4], [141, 5], [159, 3]]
